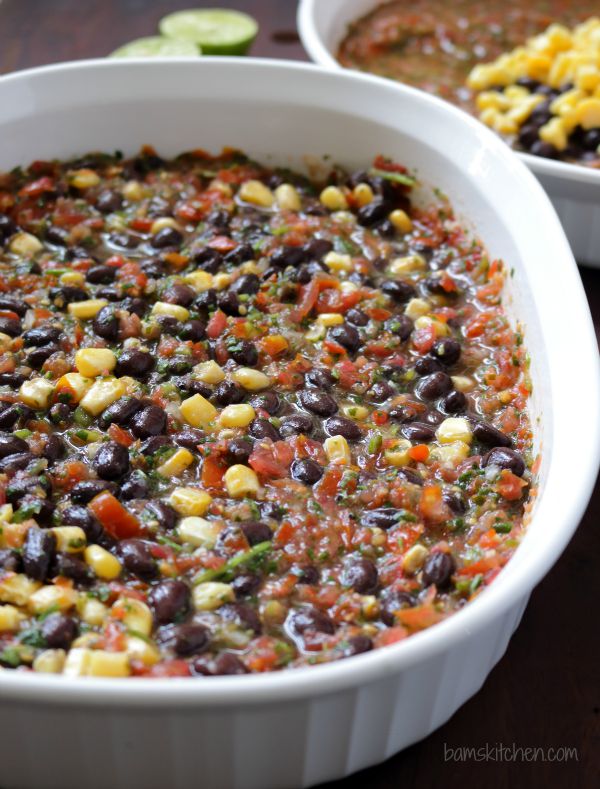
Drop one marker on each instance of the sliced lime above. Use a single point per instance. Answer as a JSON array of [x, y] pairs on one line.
[[156, 47], [219, 31]]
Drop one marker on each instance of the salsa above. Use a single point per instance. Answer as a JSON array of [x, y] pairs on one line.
[[435, 45], [248, 420]]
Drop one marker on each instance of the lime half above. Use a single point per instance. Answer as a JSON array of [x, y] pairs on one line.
[[157, 47], [218, 31]]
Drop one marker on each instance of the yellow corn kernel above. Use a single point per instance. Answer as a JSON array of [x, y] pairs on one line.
[[241, 481], [162, 222], [101, 394], [50, 661], [176, 463], [209, 373], [6, 513], [538, 66], [362, 194], [503, 124], [92, 362], [251, 380], [407, 264], [515, 93], [416, 308], [338, 262], [287, 198], [337, 450], [220, 186], [401, 221], [316, 333], [397, 455], [103, 563], [330, 319], [222, 281], [36, 393], [52, 597], [138, 649], [588, 113], [77, 662], [91, 611], [414, 559], [439, 327], [133, 191], [134, 614], [5, 342], [554, 133], [212, 595], [451, 454], [198, 532], [333, 198], [370, 606], [463, 383], [559, 37], [237, 415], [190, 501], [358, 412], [197, 411], [521, 111], [491, 99], [455, 428], [172, 310], [587, 78], [199, 280], [489, 116], [256, 193], [84, 310], [566, 101], [10, 618], [69, 539], [17, 588], [76, 384], [73, 278], [84, 179], [25, 244], [108, 664]]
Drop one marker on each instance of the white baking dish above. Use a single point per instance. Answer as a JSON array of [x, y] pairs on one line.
[[574, 190], [300, 727]]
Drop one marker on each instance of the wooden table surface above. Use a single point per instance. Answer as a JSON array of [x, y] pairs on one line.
[[545, 692]]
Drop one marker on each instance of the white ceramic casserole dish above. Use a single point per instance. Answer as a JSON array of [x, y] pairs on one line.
[[300, 727], [574, 190]]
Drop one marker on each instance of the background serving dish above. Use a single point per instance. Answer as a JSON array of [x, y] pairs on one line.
[[574, 190], [307, 725]]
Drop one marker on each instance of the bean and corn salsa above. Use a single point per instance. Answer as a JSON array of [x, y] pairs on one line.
[[248, 420]]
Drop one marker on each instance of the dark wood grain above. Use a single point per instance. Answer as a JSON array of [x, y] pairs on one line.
[[545, 691]]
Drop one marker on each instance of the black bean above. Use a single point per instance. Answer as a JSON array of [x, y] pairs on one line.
[[357, 317], [10, 326], [37, 356], [10, 560], [410, 475], [101, 275], [193, 330], [242, 615], [318, 402], [454, 403], [228, 392], [239, 450], [154, 268], [137, 558], [17, 462], [70, 566], [446, 351], [209, 260], [307, 471], [438, 569], [40, 508], [240, 255], [418, 431], [109, 201], [228, 302], [162, 513], [360, 574], [528, 135], [60, 414], [310, 619], [381, 391], [111, 461], [245, 584], [185, 640], [591, 141], [244, 352], [247, 283], [399, 290], [180, 294], [288, 256], [7, 227], [219, 219], [135, 363], [382, 518], [545, 149], [41, 335], [190, 385], [256, 531], [433, 418], [83, 492], [347, 336], [67, 295], [319, 378], [10, 445], [150, 421], [427, 365], [262, 428], [167, 237], [227, 663], [434, 385], [170, 600], [38, 552], [317, 248], [189, 438], [393, 600], [13, 414], [505, 458], [14, 305], [121, 411], [56, 235], [455, 500], [306, 271], [490, 435], [82, 517], [12, 379], [136, 487], [59, 631], [110, 294], [177, 365], [342, 426], [106, 323], [134, 305], [296, 424], [267, 401], [357, 645], [153, 444], [374, 212], [308, 574]]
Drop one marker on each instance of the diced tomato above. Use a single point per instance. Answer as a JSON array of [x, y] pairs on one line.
[[114, 637], [121, 436], [170, 668], [213, 470], [432, 506], [271, 459], [142, 224], [379, 417], [423, 339], [307, 298], [222, 244], [391, 635], [37, 188], [114, 517], [216, 325], [510, 487], [419, 453], [419, 617], [274, 345]]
